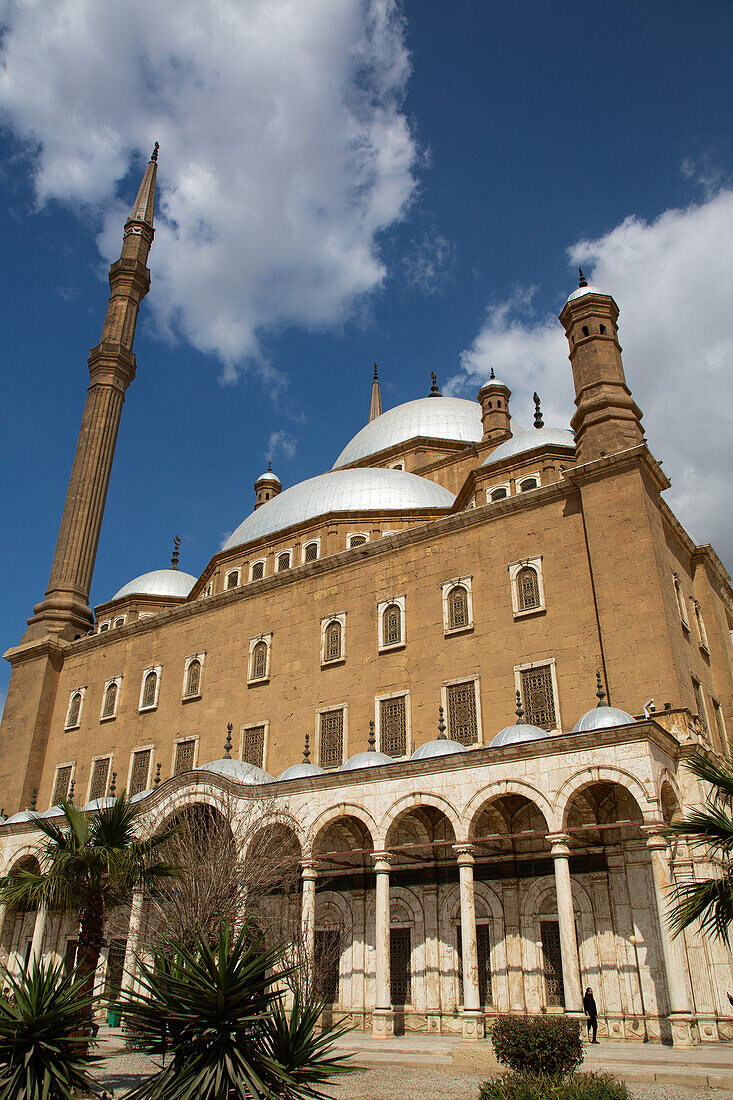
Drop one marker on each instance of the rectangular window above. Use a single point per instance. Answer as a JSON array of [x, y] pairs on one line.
[[253, 746], [393, 726], [462, 724], [185, 754], [332, 738], [552, 958], [140, 771], [327, 963], [697, 690], [400, 950], [537, 697], [61, 786], [100, 773]]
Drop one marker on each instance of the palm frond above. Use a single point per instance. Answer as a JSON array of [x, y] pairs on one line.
[[710, 902], [714, 772], [711, 825]]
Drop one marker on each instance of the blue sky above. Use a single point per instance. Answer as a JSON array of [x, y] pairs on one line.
[[496, 145]]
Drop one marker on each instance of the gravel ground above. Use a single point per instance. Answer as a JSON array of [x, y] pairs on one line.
[[392, 1082]]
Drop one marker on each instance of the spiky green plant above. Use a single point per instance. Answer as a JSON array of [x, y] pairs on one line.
[[709, 827], [297, 1042], [40, 1016], [217, 1011], [89, 864]]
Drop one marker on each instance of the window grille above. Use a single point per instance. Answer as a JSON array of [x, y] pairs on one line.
[[110, 700], [458, 607], [700, 625], [392, 624], [332, 739], [530, 483], [61, 786], [74, 709], [311, 551], [259, 661], [253, 749], [140, 771], [100, 771], [233, 579], [258, 571], [185, 752], [283, 562], [356, 540], [700, 704], [327, 963], [462, 723], [483, 946], [393, 726], [528, 589], [537, 697], [499, 494], [193, 677], [720, 725], [333, 641], [552, 959], [151, 683], [400, 950]]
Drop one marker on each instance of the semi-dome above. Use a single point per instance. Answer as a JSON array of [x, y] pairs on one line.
[[362, 490], [529, 441], [238, 770], [432, 417], [161, 582], [300, 771], [603, 717]]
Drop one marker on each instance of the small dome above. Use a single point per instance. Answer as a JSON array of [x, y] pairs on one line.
[[587, 290], [514, 735], [603, 718], [530, 441], [161, 582], [493, 382], [99, 803], [300, 771], [441, 746], [143, 794], [268, 478], [24, 815], [369, 759], [55, 811], [238, 770]]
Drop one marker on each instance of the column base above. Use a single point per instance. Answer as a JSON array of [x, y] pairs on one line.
[[472, 1024], [383, 1022], [682, 1030]]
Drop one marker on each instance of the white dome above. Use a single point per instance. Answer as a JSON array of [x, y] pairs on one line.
[[238, 770], [530, 441], [434, 417], [24, 815], [161, 582], [363, 490], [441, 746], [269, 477], [587, 290], [493, 382], [142, 794], [300, 771], [369, 759], [514, 735], [55, 811], [603, 718], [99, 803]]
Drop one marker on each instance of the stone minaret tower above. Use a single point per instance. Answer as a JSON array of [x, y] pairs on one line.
[[494, 400], [607, 419], [375, 409], [64, 612]]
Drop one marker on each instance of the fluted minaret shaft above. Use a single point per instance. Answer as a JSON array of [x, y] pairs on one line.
[[375, 408], [65, 609]]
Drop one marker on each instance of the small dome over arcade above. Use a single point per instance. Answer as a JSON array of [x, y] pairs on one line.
[[602, 716], [520, 731], [530, 441], [237, 770], [441, 746], [165, 583], [369, 759], [302, 770]]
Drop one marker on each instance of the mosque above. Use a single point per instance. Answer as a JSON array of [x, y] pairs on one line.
[[494, 648]]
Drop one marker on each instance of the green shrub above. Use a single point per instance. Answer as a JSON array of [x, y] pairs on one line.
[[539, 1045], [580, 1086]]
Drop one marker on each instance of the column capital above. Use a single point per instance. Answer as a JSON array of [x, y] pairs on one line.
[[655, 840], [559, 844], [309, 869], [382, 860], [465, 854]]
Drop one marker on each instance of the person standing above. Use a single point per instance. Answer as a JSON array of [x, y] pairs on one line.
[[589, 1007]]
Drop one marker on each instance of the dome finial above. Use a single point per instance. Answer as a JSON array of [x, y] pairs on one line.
[[156, 781], [113, 785], [34, 800], [520, 710], [434, 391], [441, 725], [372, 738], [154, 154], [492, 376], [600, 693], [306, 750], [582, 281], [70, 795], [175, 555], [376, 373], [228, 742], [538, 421]]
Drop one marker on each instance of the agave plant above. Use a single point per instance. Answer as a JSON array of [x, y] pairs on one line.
[[216, 1008], [40, 1016], [296, 1042], [710, 827]]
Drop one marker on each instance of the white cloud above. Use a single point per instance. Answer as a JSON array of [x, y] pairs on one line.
[[281, 442], [284, 149], [672, 281]]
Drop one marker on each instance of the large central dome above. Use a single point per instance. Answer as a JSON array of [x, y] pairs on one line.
[[432, 417], [362, 490]]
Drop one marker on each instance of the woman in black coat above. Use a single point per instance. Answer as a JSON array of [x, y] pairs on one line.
[[589, 1007]]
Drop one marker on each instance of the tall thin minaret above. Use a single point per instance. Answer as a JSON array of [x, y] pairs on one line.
[[65, 612], [375, 409]]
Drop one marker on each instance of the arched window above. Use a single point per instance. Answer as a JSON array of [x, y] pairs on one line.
[[258, 571], [499, 494], [232, 579], [392, 624], [119, 622], [74, 709], [283, 561], [528, 589], [193, 677], [259, 661], [457, 607], [311, 552], [103, 627], [149, 689], [110, 700], [529, 483], [356, 540], [332, 647], [586, 331]]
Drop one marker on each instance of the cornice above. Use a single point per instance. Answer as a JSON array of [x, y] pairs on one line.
[[31, 651], [599, 467]]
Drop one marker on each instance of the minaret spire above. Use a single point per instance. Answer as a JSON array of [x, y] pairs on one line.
[[64, 611], [375, 409]]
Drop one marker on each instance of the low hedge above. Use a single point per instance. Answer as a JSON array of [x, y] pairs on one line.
[[541, 1045], [579, 1086]]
